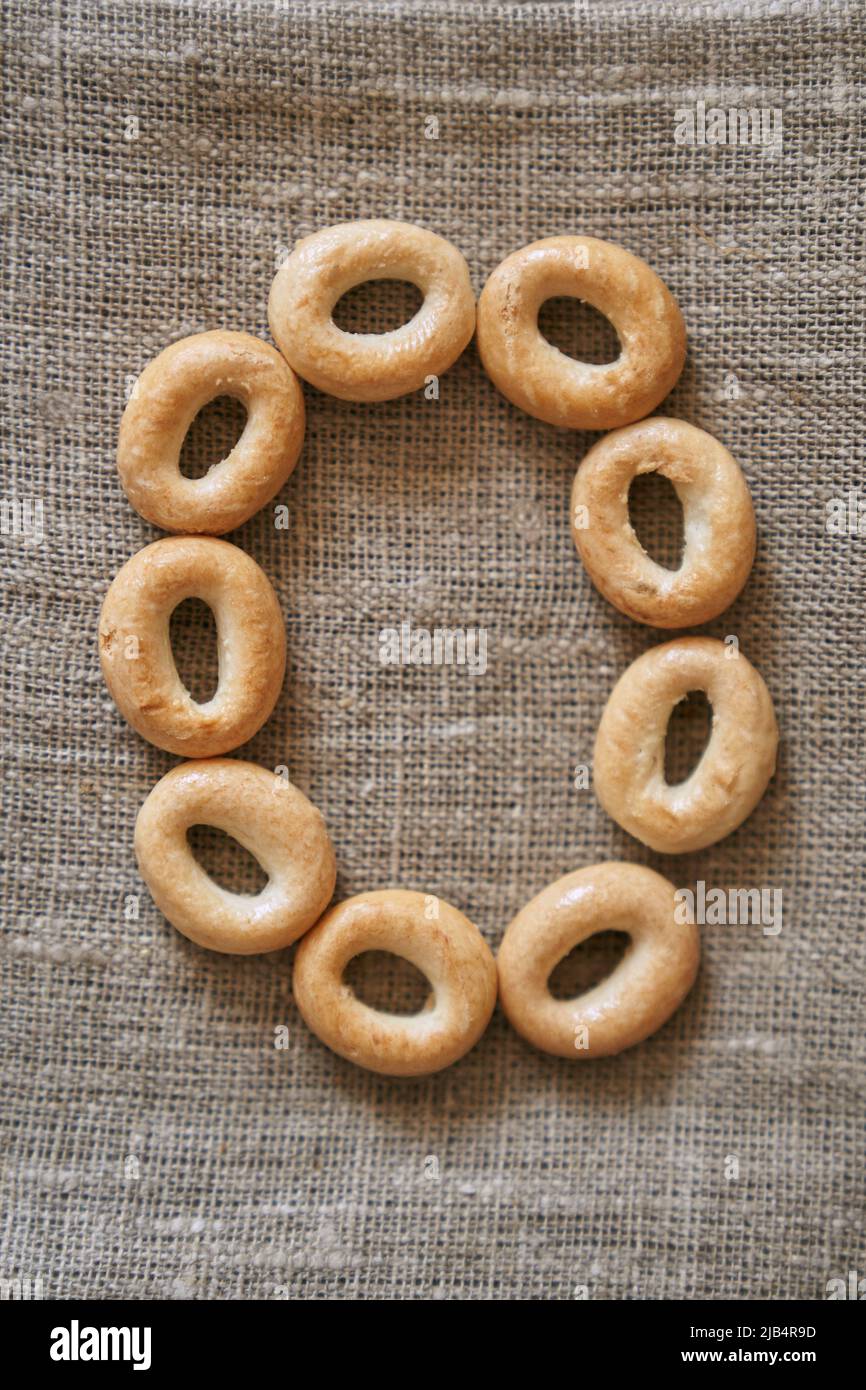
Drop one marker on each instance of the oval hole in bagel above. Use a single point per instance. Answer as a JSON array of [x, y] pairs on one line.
[[688, 734], [377, 306], [193, 635], [587, 964], [578, 330], [226, 861], [212, 435], [387, 983], [656, 517]]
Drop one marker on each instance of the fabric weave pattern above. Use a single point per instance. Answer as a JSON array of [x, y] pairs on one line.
[[163, 155]]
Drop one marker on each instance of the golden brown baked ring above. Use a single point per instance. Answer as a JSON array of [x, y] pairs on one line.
[[271, 819], [135, 646], [543, 381], [718, 523], [371, 366], [169, 394], [448, 949], [737, 763], [650, 982]]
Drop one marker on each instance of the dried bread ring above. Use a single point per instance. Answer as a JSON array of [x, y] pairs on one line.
[[537, 377], [272, 819], [718, 523], [736, 765], [135, 646], [445, 947], [649, 983], [371, 366], [168, 395]]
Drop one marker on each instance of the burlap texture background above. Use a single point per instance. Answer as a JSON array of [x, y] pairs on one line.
[[157, 1143]]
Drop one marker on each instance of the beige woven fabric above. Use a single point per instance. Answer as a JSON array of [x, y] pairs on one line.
[[156, 1141]]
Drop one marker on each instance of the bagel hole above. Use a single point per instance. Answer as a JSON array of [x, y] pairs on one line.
[[656, 517], [226, 861], [578, 330], [587, 964], [377, 306], [387, 983], [193, 635], [212, 435], [688, 734]]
